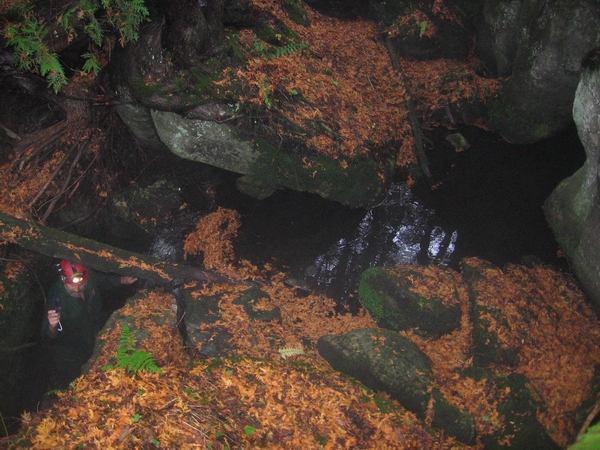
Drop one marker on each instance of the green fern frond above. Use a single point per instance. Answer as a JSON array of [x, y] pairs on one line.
[[272, 51], [91, 64], [131, 359], [288, 49], [127, 339], [137, 361]]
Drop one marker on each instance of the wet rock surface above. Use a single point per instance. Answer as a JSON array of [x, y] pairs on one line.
[[386, 361], [544, 63], [392, 299], [572, 210]]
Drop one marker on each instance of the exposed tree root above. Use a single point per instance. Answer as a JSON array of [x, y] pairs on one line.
[[46, 166]]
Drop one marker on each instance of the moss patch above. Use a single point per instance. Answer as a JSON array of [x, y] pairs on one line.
[[394, 301], [296, 11], [358, 182]]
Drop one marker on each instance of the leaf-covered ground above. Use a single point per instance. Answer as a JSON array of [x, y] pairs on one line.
[[258, 399], [261, 400], [344, 79]]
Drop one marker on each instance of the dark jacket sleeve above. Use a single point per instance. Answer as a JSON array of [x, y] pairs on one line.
[[55, 296]]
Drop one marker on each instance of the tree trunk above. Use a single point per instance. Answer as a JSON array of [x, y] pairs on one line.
[[193, 28], [214, 12], [99, 256]]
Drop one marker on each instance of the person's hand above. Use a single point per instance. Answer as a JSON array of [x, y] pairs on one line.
[[53, 320], [128, 280]]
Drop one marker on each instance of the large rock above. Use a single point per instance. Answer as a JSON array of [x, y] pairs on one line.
[[518, 406], [205, 141], [488, 320], [548, 40], [385, 361], [573, 209], [357, 182], [201, 321], [498, 35], [427, 35], [196, 119], [397, 298]]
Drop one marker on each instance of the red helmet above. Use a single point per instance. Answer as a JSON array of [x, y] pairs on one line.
[[74, 273]]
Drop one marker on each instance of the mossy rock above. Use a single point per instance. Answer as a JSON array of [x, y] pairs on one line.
[[277, 34], [195, 312], [250, 300], [296, 11], [518, 408], [487, 349], [385, 361], [355, 182], [199, 118], [145, 74], [143, 205], [391, 298]]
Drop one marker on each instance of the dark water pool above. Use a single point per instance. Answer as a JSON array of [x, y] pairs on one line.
[[486, 201]]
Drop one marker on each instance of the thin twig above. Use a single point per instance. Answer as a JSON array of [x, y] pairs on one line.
[[590, 418], [373, 87]]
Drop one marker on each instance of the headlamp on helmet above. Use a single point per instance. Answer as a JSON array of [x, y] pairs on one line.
[[73, 273]]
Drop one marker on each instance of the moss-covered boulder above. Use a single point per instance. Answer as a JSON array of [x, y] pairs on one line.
[[356, 182], [487, 320], [518, 409], [202, 324], [385, 361], [406, 297], [195, 312], [204, 113], [146, 204], [251, 301]]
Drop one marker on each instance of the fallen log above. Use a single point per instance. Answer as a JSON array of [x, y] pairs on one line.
[[102, 257]]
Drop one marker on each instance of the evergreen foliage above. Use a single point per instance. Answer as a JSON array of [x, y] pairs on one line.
[[31, 52], [28, 34]]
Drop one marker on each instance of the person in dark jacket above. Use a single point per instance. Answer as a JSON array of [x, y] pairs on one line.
[[74, 316]]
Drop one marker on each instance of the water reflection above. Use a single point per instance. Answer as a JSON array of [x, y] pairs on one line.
[[400, 231], [487, 204]]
